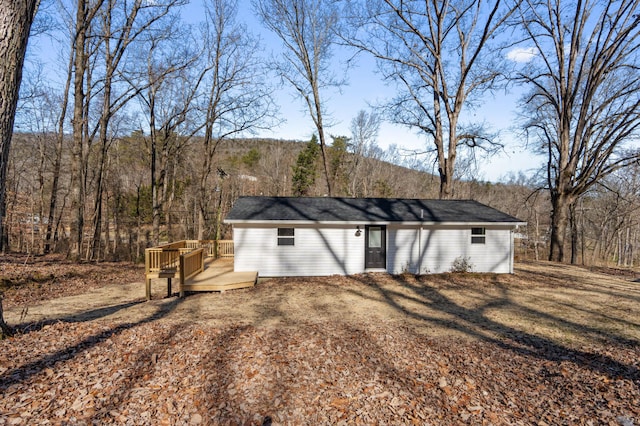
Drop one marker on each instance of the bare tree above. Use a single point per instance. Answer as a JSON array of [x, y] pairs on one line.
[[16, 18], [364, 131], [236, 98], [442, 55], [51, 233], [307, 29], [610, 225], [35, 118], [171, 85], [121, 25], [86, 11], [104, 32], [584, 105]]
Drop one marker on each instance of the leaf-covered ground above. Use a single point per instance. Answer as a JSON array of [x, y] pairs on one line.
[[27, 279], [549, 345]]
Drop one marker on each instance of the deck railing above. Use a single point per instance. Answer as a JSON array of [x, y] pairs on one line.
[[214, 248], [164, 257], [225, 248], [191, 264], [164, 261]]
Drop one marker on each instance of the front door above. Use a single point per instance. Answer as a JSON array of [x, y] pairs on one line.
[[375, 241]]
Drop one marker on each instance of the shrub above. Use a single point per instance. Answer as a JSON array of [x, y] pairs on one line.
[[461, 265]]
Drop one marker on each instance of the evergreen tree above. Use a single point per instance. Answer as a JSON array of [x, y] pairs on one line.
[[339, 164], [305, 169]]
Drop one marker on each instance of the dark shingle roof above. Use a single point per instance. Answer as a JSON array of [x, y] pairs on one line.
[[325, 209]]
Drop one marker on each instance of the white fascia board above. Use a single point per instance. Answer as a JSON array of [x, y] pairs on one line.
[[512, 224], [302, 222]]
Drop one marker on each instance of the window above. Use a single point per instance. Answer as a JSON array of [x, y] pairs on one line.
[[286, 236], [478, 235], [375, 237]]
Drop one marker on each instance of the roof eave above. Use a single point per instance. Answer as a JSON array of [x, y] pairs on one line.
[[362, 222]]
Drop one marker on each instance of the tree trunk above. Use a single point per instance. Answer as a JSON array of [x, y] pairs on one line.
[[536, 244], [559, 221], [446, 180], [573, 221], [77, 161], [57, 165], [200, 224], [323, 146], [155, 199], [5, 329], [100, 177], [16, 17]]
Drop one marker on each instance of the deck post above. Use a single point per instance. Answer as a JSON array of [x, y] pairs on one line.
[[148, 288], [181, 289], [168, 287]]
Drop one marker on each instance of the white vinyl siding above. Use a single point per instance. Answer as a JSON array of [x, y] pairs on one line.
[[434, 249], [403, 250], [327, 250], [495, 254], [317, 251], [442, 246]]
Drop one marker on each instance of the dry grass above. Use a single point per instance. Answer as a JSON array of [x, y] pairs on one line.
[[563, 304], [551, 344]]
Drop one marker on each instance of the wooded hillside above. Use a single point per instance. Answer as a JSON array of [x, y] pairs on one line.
[[606, 227]]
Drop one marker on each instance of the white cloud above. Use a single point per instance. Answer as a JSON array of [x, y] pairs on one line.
[[522, 54]]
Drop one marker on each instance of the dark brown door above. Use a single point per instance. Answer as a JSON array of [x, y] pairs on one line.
[[375, 242]]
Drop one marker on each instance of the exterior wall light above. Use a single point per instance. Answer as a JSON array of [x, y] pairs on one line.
[[358, 231]]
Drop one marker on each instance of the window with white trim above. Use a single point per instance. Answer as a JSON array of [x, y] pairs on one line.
[[478, 235], [286, 236]]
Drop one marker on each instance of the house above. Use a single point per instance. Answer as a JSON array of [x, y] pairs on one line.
[[314, 236]]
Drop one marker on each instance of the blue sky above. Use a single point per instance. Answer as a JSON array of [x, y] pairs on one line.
[[366, 88]]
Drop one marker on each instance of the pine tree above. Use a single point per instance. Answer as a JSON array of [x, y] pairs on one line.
[[305, 169], [339, 164]]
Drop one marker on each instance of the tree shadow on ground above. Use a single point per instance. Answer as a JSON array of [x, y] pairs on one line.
[[83, 316], [475, 322], [25, 371]]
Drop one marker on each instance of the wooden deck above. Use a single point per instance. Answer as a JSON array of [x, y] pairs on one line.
[[192, 262], [218, 275]]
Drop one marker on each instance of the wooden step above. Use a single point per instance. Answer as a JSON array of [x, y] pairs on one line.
[[222, 282]]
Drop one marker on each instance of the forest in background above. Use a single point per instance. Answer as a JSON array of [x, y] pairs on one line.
[[140, 135], [605, 222]]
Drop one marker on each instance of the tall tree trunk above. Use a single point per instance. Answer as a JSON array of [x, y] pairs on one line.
[[201, 223], [169, 196], [77, 160], [104, 137], [16, 17], [559, 221], [57, 164], [155, 199], [98, 206], [138, 226], [321, 136]]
